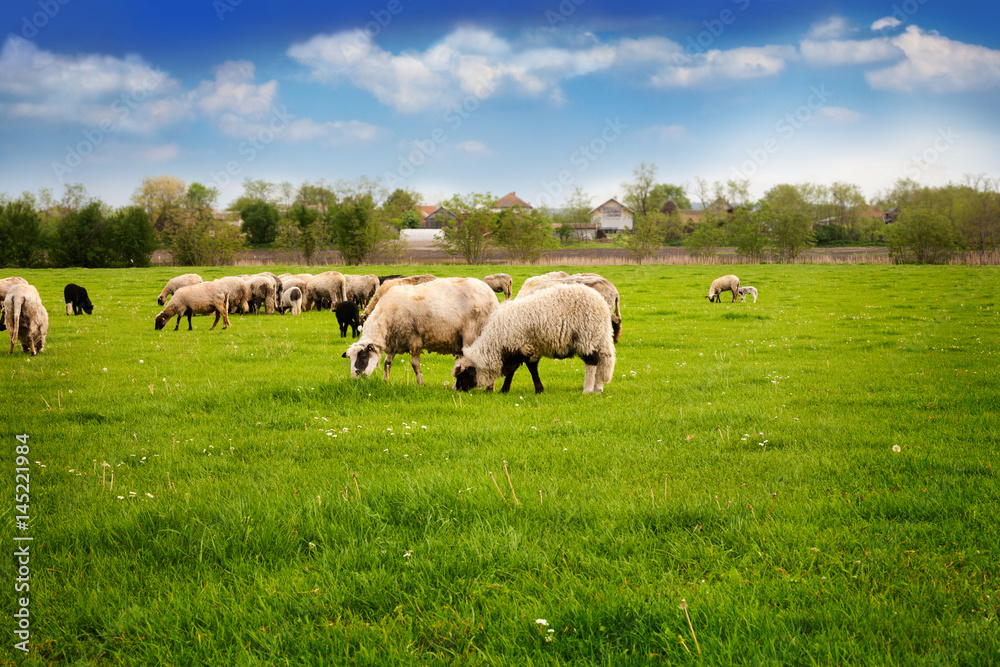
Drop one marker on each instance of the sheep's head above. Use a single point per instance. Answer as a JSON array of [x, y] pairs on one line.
[[161, 321], [364, 359], [465, 374], [160, 300], [88, 307]]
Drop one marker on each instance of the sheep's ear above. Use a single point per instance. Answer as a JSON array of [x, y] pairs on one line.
[[344, 356], [370, 348]]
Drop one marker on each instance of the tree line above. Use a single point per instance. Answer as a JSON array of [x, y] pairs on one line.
[[362, 220]]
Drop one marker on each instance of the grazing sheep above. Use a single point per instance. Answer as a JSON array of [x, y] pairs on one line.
[[277, 285], [325, 290], [304, 277], [291, 299], [389, 284], [262, 292], [501, 283], [25, 318], [239, 293], [557, 322], [175, 284], [347, 316], [200, 299], [724, 284], [360, 289], [289, 283], [596, 282], [440, 316], [748, 290], [6, 284], [77, 300], [533, 280]]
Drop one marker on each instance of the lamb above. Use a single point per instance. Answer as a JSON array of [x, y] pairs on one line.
[[25, 318], [728, 283], [360, 289], [6, 284], [291, 299], [501, 283], [596, 282], [289, 283], [748, 291], [200, 299], [239, 293], [262, 292], [557, 322], [389, 284], [325, 290], [440, 316], [77, 300], [347, 316], [175, 284]]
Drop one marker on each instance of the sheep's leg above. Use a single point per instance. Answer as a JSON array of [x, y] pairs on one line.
[[190, 313], [415, 362], [178, 325], [225, 318], [215, 322], [735, 292], [533, 369], [388, 365], [589, 376], [69, 308]]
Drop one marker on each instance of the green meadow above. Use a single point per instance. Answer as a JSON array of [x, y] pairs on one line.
[[808, 480]]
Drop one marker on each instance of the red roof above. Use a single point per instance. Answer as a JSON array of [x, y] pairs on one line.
[[426, 210], [511, 200]]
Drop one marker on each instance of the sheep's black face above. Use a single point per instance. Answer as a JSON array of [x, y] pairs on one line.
[[88, 307], [160, 300], [161, 322], [465, 378]]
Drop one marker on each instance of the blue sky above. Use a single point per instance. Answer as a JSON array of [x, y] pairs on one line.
[[536, 98]]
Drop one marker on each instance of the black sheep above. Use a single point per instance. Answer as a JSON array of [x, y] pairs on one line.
[[348, 315], [77, 300]]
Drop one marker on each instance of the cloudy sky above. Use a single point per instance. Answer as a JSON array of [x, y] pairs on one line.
[[458, 97]]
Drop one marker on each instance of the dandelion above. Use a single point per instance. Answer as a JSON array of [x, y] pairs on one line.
[[105, 370], [897, 449], [141, 361], [121, 497], [149, 494], [408, 553], [542, 622]]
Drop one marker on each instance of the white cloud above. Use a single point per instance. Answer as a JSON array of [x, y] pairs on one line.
[[472, 146], [834, 27], [332, 133], [848, 52], [886, 22], [839, 114], [938, 64], [235, 90]]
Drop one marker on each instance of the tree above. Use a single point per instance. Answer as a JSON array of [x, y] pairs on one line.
[[201, 196], [637, 192], [129, 237], [705, 240], [574, 218], [158, 193], [359, 233], [317, 194], [646, 237], [260, 222], [524, 235], [664, 192], [258, 190], [80, 238], [304, 218], [201, 240], [921, 235], [402, 200], [469, 230], [976, 212], [20, 235], [791, 233], [749, 229], [74, 197]]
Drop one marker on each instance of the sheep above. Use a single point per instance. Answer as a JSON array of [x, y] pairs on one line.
[[501, 283], [262, 292], [748, 290], [277, 284], [77, 300], [389, 284], [239, 293], [325, 290], [557, 322], [360, 289], [724, 284], [382, 279], [533, 280], [289, 283], [304, 277], [596, 282], [200, 299], [6, 284], [347, 316], [291, 299], [175, 284], [440, 316], [25, 318]]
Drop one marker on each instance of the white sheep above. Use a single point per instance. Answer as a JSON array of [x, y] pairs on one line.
[[558, 322], [239, 293], [534, 280], [728, 283], [324, 290], [291, 299], [360, 289], [262, 292], [594, 281], [748, 291], [277, 284], [200, 299], [440, 316], [6, 284], [388, 285], [175, 284], [501, 283], [25, 317]]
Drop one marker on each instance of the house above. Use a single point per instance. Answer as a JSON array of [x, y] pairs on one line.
[[612, 216], [510, 200], [437, 217], [424, 211]]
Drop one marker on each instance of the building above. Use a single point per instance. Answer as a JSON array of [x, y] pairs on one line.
[[510, 200], [612, 216]]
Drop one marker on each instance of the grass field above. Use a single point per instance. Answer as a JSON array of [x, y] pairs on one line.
[[734, 497]]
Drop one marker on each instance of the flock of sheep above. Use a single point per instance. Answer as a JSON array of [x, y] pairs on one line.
[[554, 315]]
